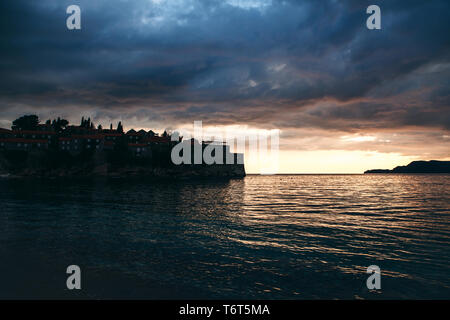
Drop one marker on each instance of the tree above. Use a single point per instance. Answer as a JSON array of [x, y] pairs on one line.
[[86, 123], [64, 123], [100, 127], [119, 127], [28, 122], [60, 124]]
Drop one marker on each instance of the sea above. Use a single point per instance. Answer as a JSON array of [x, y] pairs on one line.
[[261, 237]]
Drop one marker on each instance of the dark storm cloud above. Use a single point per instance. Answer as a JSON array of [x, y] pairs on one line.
[[260, 62]]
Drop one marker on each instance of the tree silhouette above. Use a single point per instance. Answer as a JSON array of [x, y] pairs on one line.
[[86, 123], [28, 122], [119, 127], [60, 124]]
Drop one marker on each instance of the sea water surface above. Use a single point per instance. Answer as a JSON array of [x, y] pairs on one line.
[[262, 237]]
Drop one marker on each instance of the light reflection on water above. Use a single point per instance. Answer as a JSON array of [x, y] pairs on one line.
[[300, 237]]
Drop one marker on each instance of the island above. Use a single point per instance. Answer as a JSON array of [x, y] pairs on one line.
[[432, 166], [57, 149]]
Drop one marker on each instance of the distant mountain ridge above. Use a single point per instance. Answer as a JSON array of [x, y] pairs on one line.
[[432, 166]]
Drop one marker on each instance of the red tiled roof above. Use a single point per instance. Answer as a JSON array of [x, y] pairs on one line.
[[33, 132], [112, 134], [81, 128], [21, 140], [110, 131], [88, 136]]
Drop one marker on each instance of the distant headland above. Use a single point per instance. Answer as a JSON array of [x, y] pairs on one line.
[[432, 166], [57, 149]]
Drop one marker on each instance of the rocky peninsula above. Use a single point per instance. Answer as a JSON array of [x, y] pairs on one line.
[[432, 166], [56, 149]]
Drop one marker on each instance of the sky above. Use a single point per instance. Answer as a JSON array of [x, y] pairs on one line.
[[343, 98]]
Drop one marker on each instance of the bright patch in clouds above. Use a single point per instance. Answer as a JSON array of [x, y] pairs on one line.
[[250, 4]]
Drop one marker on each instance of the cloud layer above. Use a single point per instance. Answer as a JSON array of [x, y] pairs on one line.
[[305, 67]]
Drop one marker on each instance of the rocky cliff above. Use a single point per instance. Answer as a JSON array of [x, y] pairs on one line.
[[433, 166]]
